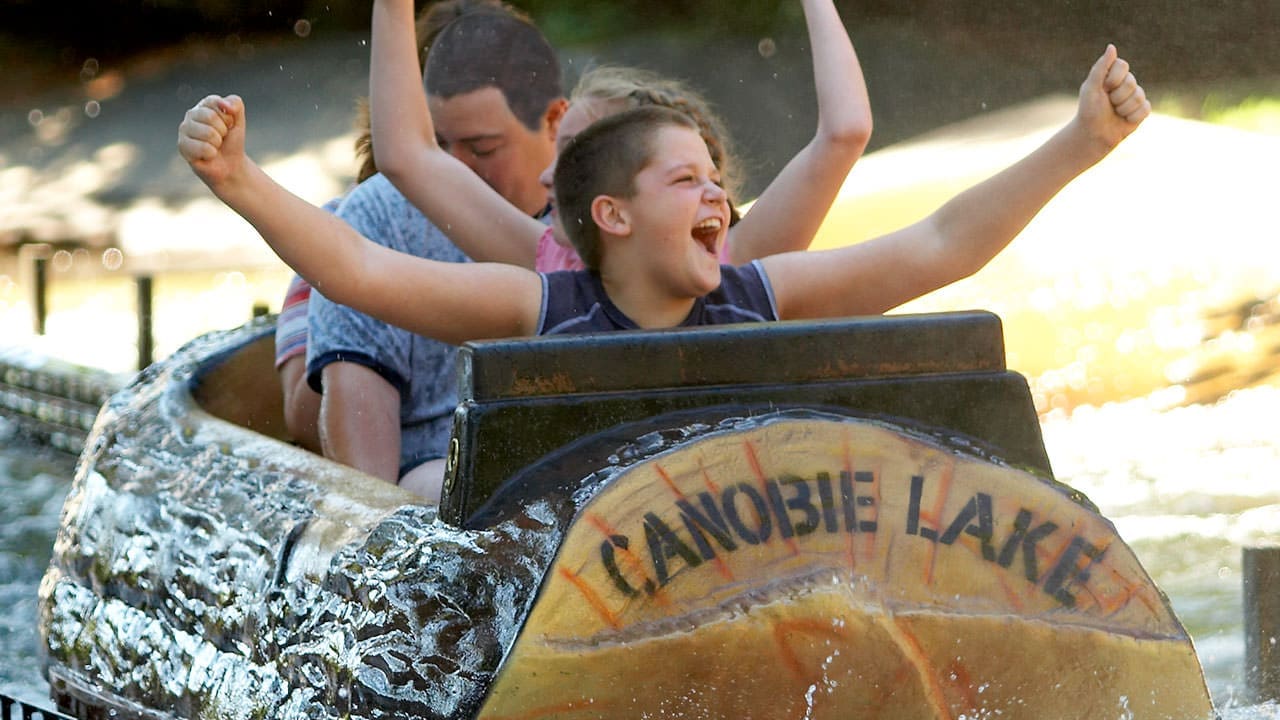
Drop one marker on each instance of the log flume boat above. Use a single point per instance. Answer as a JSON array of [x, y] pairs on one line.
[[847, 519]]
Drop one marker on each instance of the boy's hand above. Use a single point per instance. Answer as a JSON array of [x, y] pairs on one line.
[[211, 138], [1112, 103]]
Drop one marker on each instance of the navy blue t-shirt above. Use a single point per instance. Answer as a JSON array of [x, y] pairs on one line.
[[574, 301]]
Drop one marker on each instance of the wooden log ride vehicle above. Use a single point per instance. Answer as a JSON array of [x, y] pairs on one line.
[[847, 519]]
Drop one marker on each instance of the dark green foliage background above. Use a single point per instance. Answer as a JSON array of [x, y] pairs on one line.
[[1172, 38]]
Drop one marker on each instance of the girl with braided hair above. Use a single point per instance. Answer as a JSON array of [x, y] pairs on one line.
[[607, 90], [785, 217]]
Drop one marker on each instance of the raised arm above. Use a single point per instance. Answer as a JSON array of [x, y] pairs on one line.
[[451, 302], [476, 218], [969, 230], [788, 213]]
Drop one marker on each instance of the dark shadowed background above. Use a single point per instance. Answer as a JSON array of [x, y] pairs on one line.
[[928, 62]]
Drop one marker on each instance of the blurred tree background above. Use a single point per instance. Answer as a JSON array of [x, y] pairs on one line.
[[927, 62], [1171, 39]]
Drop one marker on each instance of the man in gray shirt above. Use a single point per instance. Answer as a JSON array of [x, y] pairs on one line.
[[388, 395]]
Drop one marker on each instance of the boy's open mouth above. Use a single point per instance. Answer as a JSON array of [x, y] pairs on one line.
[[707, 232]]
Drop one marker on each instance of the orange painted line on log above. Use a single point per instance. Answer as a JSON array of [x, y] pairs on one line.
[[1132, 589], [888, 561], [671, 484], [944, 492], [1013, 596], [781, 635], [632, 560], [963, 682], [1146, 598], [666, 478], [1053, 559], [1139, 588], [869, 539], [1120, 602], [706, 479], [1094, 598], [851, 543], [1098, 600], [914, 654], [592, 598], [876, 485], [552, 710], [764, 487], [889, 690]]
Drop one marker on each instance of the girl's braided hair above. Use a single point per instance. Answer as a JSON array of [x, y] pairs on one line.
[[623, 88]]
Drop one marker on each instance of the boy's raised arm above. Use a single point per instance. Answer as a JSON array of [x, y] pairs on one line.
[[451, 302], [963, 235], [476, 218], [789, 212]]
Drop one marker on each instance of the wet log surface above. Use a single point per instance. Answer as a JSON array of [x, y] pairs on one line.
[[205, 571]]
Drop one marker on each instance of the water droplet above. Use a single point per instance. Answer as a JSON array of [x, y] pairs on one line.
[[89, 70], [92, 109], [302, 28], [62, 261], [35, 117]]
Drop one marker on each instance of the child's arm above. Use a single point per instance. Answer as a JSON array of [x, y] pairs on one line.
[[964, 234], [451, 302], [788, 213], [475, 217]]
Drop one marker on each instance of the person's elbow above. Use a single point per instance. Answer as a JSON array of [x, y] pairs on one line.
[[395, 166], [849, 136], [949, 250]]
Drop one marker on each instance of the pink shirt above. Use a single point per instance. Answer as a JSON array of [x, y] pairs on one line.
[[553, 256]]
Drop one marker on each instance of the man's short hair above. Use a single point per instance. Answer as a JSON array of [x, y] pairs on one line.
[[495, 49], [605, 159]]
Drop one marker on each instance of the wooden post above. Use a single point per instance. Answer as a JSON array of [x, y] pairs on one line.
[[1262, 622], [40, 288], [33, 258], [146, 347]]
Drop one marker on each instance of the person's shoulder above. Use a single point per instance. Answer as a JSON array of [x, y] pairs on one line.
[[745, 295], [375, 190], [380, 212], [737, 275]]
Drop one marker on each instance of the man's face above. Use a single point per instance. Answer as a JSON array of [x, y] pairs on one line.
[[479, 129]]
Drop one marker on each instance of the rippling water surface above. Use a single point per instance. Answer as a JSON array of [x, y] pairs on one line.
[[1187, 488], [33, 484]]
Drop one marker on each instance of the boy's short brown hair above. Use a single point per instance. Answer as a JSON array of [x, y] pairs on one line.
[[604, 159]]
